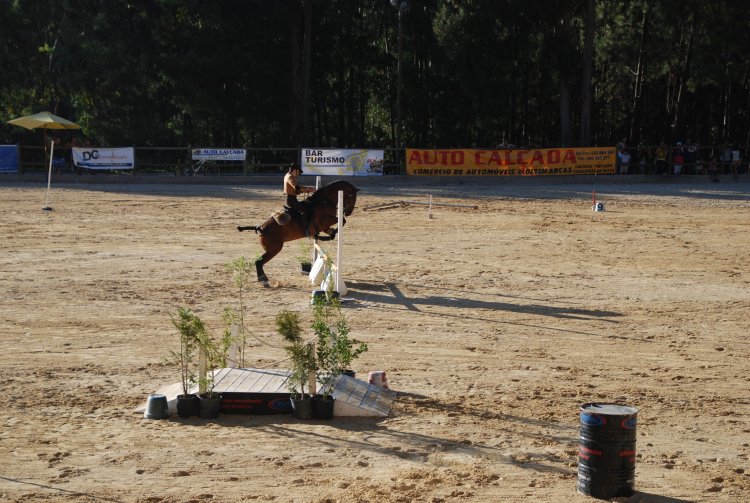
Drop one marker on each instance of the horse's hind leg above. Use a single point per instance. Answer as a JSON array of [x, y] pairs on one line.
[[261, 261], [262, 278]]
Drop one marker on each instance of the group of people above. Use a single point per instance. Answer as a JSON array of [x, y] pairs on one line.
[[62, 157], [682, 158]]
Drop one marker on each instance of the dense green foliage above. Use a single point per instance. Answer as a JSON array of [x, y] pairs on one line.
[[289, 73]]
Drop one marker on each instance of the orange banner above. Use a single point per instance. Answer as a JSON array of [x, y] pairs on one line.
[[519, 162]]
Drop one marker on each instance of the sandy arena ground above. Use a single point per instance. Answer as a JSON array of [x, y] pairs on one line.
[[494, 324]]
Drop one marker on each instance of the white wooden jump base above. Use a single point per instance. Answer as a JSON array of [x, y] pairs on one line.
[[320, 269]]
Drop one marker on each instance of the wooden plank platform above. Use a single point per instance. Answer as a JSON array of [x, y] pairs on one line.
[[265, 391]]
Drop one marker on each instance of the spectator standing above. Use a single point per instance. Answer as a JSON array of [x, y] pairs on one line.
[[624, 157], [620, 146], [678, 159], [726, 159], [713, 170], [691, 157], [736, 159], [660, 157], [58, 156], [74, 143]]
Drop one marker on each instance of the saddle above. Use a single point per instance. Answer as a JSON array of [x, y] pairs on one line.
[[285, 215], [282, 217]]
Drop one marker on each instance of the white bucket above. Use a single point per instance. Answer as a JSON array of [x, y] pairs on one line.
[[378, 378]]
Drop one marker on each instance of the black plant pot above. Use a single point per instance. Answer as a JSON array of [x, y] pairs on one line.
[[305, 267], [187, 405], [302, 408], [209, 407], [323, 407], [349, 373]]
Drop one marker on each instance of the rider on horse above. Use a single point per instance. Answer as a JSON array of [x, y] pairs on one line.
[[292, 189], [321, 213]]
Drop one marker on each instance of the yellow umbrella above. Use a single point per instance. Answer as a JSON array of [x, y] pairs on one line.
[[44, 120]]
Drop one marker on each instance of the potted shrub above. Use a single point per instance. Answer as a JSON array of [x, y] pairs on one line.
[[195, 339], [234, 318], [214, 355], [344, 349], [334, 352], [302, 358], [305, 257], [190, 328]]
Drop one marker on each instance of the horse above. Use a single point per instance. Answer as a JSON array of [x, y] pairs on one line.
[[320, 209]]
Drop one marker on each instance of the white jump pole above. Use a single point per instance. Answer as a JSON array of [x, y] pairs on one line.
[[314, 252], [49, 175], [340, 288]]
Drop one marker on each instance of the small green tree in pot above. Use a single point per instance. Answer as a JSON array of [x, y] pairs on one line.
[[305, 256], [334, 351], [195, 340], [302, 357], [346, 350], [190, 328], [240, 269], [214, 355]]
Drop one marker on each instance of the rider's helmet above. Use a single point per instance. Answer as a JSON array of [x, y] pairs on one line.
[[295, 165]]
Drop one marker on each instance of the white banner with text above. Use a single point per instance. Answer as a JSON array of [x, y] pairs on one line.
[[219, 154], [104, 158], [342, 162]]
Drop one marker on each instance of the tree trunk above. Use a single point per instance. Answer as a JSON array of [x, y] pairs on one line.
[[684, 75], [305, 130], [566, 132], [635, 120], [588, 63], [297, 78]]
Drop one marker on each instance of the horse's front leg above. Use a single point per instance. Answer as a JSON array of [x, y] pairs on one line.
[[334, 230], [331, 235]]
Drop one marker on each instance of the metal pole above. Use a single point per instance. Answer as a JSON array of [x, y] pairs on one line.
[[49, 173]]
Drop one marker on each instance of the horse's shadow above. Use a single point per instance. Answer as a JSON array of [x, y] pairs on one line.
[[390, 293]]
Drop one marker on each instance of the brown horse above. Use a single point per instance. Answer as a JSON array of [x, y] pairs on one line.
[[320, 209]]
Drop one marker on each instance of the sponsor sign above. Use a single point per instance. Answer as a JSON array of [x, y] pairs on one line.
[[338, 162], [9, 159], [516, 162], [219, 154], [104, 158]]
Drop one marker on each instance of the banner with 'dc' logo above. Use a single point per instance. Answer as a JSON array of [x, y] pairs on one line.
[[104, 158]]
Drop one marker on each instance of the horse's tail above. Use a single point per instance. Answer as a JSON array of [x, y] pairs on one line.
[[255, 228]]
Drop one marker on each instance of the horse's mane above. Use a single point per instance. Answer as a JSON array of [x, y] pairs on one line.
[[324, 193]]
